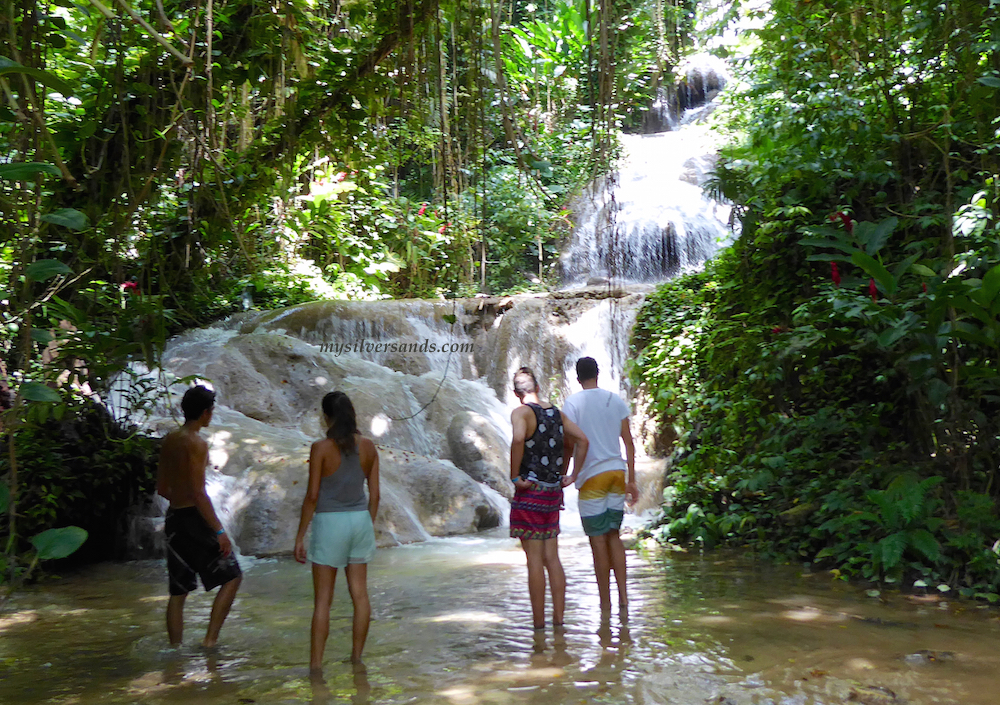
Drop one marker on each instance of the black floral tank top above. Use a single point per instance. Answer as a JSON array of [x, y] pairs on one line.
[[543, 452]]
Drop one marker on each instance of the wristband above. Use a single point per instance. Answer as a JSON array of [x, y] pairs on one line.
[[220, 532]]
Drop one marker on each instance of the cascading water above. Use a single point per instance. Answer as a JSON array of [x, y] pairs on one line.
[[652, 220], [431, 379], [433, 392]]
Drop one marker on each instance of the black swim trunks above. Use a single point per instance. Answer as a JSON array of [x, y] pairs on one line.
[[193, 550]]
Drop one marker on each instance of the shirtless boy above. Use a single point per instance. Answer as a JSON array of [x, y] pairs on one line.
[[197, 543]]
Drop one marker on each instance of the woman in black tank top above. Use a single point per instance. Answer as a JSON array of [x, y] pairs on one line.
[[541, 437]]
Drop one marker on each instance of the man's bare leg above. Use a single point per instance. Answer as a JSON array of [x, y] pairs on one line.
[[357, 585], [616, 550], [602, 569], [175, 619], [557, 579], [324, 578], [534, 551], [220, 610]]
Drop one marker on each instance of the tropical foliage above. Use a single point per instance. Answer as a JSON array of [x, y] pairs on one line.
[[833, 376], [166, 163]]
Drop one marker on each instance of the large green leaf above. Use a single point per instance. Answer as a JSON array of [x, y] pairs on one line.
[[68, 218], [36, 391], [925, 543], [7, 67], [891, 550], [874, 235], [991, 285], [23, 171], [824, 242], [58, 543], [44, 269], [876, 271]]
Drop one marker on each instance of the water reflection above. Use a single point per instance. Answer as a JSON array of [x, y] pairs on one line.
[[453, 626]]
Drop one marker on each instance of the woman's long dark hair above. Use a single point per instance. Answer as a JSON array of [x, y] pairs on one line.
[[343, 421]]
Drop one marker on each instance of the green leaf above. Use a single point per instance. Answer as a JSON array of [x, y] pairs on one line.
[[7, 67], [68, 218], [40, 335], [835, 244], [874, 269], [900, 269], [828, 258], [58, 543], [44, 269], [23, 171], [991, 81], [874, 235], [925, 543], [991, 285], [891, 550], [449, 318], [923, 271], [36, 391]]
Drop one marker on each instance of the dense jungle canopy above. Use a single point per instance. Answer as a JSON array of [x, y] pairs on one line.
[[828, 387]]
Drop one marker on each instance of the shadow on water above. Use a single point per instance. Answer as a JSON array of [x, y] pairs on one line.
[[451, 626]]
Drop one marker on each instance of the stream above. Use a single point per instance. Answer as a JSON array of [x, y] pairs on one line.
[[451, 618], [451, 625]]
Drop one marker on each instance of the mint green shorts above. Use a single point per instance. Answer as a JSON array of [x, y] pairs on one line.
[[340, 538]]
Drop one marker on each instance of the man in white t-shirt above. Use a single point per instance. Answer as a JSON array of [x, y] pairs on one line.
[[602, 480]]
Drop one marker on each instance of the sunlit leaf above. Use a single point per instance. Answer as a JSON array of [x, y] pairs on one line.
[[8, 67], [58, 543]]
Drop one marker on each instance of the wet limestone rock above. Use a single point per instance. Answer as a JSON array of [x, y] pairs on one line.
[[445, 500], [478, 449]]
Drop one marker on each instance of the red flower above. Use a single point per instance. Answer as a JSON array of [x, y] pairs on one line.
[[776, 329], [872, 289], [834, 274], [339, 176], [924, 285], [423, 209], [443, 228], [131, 287], [845, 219]]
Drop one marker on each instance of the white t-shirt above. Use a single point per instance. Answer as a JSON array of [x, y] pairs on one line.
[[599, 414]]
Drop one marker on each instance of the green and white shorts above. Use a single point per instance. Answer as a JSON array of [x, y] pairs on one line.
[[341, 538]]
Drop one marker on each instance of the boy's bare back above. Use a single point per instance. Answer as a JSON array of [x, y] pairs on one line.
[[181, 472]]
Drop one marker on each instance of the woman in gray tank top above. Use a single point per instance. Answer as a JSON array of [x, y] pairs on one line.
[[342, 517]]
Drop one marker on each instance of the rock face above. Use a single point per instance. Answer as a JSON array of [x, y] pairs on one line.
[[430, 384], [269, 389], [477, 448]]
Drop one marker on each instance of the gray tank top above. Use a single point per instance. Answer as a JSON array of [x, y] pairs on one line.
[[344, 489]]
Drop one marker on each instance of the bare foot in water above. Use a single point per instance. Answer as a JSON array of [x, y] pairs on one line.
[[357, 665]]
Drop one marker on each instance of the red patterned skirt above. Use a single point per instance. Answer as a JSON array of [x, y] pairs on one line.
[[534, 513]]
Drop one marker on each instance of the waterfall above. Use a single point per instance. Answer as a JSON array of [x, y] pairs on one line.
[[651, 220], [433, 391]]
